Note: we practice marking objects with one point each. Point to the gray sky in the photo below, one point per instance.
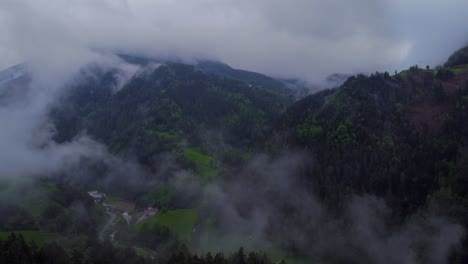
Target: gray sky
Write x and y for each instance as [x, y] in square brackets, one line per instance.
[297, 38]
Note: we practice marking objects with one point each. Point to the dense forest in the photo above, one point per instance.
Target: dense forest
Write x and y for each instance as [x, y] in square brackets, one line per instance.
[221, 151]
[15, 250]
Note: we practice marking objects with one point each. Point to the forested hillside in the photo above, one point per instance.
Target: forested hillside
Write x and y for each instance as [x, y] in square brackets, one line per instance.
[164, 105]
[401, 137]
[225, 158]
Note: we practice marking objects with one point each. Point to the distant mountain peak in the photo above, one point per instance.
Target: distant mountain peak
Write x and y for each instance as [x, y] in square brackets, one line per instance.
[459, 57]
[13, 72]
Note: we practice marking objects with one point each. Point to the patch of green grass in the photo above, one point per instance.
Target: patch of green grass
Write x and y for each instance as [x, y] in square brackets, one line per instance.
[166, 136]
[298, 261]
[204, 165]
[404, 73]
[31, 195]
[39, 237]
[196, 155]
[35, 200]
[460, 69]
[143, 252]
[277, 256]
[180, 222]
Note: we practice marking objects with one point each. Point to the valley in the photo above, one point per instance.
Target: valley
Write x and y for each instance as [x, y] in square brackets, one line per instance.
[198, 158]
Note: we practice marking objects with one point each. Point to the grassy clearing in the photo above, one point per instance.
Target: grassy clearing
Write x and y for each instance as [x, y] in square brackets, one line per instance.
[40, 238]
[180, 222]
[165, 136]
[204, 165]
[143, 252]
[277, 256]
[39, 198]
[297, 261]
[29, 194]
[460, 69]
[404, 73]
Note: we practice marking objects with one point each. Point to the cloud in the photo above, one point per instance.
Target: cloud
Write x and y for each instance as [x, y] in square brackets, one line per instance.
[267, 205]
[300, 38]
[304, 38]
[27, 147]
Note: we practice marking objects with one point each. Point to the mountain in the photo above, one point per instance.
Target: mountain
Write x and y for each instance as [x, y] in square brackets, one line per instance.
[397, 122]
[12, 73]
[270, 172]
[220, 69]
[251, 78]
[14, 82]
[460, 57]
[163, 105]
[162, 113]
[336, 79]
[401, 137]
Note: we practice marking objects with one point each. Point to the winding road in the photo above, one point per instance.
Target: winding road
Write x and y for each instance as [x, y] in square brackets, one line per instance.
[107, 225]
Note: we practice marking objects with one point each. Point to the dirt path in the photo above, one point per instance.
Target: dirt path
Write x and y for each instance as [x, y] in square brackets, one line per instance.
[107, 225]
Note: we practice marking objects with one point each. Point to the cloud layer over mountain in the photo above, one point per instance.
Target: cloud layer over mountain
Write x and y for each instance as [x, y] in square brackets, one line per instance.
[303, 38]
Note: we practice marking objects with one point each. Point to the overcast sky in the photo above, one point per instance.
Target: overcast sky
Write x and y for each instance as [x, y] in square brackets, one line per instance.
[298, 38]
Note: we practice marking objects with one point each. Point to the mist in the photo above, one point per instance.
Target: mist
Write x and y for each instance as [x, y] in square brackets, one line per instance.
[303, 39]
[247, 212]
[27, 135]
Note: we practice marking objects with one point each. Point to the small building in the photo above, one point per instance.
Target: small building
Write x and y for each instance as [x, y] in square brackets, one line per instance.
[97, 196]
[127, 217]
[150, 211]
